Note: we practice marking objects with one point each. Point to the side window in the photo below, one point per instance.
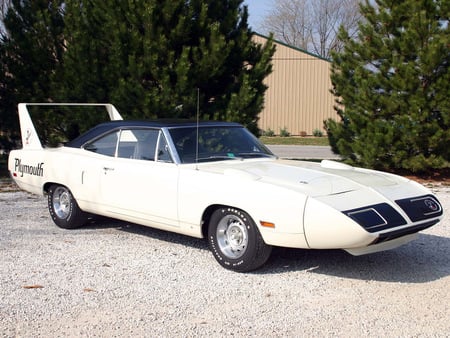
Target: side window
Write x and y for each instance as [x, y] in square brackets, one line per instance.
[105, 145]
[127, 144]
[139, 144]
[146, 141]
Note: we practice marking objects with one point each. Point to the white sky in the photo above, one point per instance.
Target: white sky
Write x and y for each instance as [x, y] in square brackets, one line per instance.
[257, 10]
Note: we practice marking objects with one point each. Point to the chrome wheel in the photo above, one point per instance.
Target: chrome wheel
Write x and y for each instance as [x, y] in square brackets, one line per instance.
[62, 202]
[64, 208]
[232, 236]
[235, 241]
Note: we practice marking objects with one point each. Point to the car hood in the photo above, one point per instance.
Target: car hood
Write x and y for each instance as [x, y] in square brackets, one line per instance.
[313, 179]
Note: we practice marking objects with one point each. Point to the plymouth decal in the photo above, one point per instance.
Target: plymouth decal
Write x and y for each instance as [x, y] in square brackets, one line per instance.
[36, 170]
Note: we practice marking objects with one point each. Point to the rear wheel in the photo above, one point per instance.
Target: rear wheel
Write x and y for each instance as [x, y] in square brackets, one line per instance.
[64, 209]
[235, 240]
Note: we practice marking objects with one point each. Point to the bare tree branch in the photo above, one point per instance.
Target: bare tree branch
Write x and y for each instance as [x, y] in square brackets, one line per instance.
[312, 25]
[289, 21]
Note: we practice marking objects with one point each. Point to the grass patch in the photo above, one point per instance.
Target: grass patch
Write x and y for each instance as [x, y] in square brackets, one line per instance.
[295, 140]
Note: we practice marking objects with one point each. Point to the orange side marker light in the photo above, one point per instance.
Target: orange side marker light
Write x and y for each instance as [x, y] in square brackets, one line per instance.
[267, 224]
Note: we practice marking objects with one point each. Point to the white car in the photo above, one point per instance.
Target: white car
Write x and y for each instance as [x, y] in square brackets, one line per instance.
[216, 180]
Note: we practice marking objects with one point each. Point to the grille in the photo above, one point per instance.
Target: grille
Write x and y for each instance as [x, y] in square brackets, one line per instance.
[388, 236]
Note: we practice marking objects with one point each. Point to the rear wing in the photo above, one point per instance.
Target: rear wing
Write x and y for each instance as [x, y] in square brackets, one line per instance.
[30, 138]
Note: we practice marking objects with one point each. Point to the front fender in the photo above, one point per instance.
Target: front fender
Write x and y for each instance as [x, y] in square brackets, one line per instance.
[328, 228]
[264, 202]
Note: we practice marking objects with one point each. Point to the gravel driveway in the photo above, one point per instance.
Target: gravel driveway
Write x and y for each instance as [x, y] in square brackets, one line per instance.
[114, 279]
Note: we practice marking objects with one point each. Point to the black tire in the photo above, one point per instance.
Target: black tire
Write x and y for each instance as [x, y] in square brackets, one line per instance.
[235, 240]
[64, 209]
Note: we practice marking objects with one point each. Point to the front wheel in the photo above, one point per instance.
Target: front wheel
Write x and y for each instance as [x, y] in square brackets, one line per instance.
[235, 240]
[64, 209]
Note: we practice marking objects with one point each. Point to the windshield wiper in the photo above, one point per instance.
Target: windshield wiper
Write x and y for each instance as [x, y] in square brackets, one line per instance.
[218, 157]
[254, 155]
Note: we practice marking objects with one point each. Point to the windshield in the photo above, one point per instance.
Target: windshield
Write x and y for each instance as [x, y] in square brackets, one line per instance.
[216, 144]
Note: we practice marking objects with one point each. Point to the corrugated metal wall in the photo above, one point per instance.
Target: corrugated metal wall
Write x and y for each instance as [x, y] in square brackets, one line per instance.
[298, 98]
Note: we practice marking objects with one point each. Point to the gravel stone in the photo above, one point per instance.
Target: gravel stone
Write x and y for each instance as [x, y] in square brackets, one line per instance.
[111, 279]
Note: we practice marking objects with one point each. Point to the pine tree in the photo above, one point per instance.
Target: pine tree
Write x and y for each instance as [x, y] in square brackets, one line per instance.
[30, 48]
[391, 86]
[150, 58]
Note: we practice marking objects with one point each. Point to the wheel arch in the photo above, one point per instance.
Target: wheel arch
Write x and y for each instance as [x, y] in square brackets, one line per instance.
[207, 213]
[206, 217]
[47, 186]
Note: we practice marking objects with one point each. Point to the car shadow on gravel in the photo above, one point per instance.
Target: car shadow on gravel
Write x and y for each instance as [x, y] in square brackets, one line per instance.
[171, 237]
[420, 261]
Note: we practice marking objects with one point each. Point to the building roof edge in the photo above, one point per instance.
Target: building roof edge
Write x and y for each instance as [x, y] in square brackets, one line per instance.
[292, 47]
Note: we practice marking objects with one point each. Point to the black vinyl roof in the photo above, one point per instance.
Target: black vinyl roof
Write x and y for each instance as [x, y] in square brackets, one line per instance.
[105, 127]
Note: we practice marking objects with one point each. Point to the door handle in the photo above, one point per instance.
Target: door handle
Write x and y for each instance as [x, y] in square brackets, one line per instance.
[108, 169]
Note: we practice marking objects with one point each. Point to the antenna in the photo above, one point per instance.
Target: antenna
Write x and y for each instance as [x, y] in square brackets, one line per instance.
[198, 122]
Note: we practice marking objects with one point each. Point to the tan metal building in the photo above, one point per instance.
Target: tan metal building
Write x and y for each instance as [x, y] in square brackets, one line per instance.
[298, 98]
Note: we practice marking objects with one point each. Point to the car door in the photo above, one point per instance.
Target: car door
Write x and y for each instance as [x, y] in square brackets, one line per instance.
[140, 181]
